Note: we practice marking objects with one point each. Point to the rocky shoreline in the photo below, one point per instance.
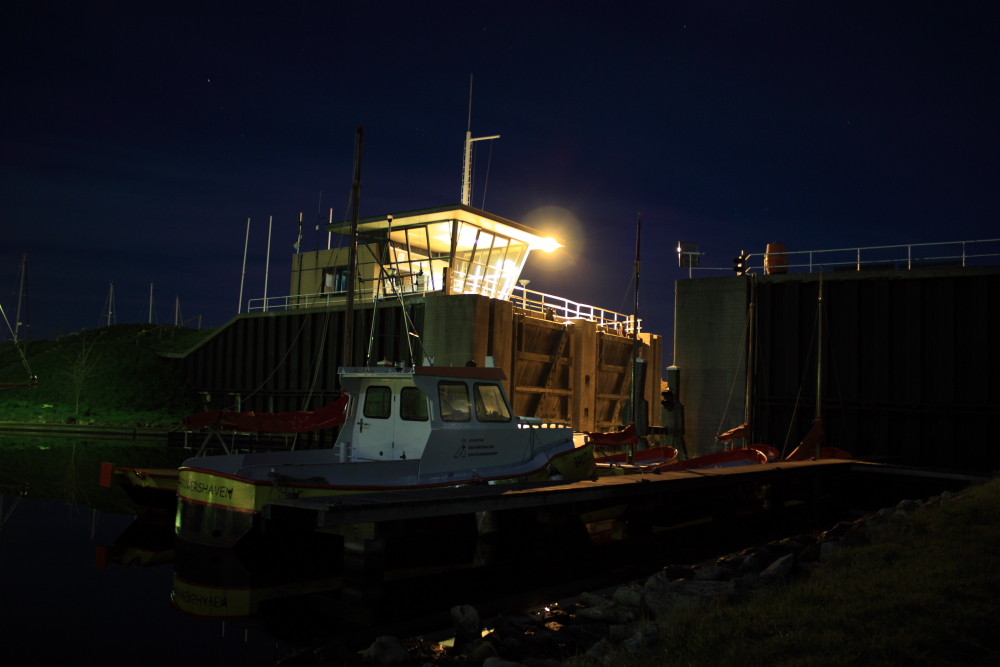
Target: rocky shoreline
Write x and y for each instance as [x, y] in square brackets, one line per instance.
[594, 628]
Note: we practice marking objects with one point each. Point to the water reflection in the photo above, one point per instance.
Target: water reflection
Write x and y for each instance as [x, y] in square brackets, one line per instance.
[102, 577]
[83, 575]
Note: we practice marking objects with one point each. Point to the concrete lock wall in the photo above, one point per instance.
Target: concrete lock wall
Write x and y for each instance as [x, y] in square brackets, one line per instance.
[911, 368]
[567, 370]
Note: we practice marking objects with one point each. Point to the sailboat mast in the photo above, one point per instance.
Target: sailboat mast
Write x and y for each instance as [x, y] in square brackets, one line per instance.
[243, 275]
[20, 295]
[359, 150]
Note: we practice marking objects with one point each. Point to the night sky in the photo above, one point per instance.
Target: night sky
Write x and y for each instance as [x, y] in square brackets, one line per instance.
[136, 142]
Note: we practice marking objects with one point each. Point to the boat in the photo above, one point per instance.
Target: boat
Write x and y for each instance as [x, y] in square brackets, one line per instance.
[153, 489]
[403, 428]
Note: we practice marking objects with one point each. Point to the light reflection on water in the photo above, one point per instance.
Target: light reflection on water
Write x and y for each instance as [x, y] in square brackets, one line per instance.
[57, 604]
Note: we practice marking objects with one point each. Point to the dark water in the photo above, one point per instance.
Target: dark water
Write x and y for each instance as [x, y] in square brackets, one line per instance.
[87, 575]
[57, 604]
[79, 584]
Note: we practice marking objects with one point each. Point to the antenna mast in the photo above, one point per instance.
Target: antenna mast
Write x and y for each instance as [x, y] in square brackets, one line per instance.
[467, 162]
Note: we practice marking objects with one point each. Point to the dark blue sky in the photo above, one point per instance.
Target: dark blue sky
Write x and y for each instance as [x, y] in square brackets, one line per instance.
[136, 141]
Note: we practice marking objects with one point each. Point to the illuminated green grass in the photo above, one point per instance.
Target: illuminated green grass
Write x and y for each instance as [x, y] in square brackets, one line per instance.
[109, 376]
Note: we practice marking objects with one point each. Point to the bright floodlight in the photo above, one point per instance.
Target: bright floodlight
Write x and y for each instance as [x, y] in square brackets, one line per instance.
[548, 245]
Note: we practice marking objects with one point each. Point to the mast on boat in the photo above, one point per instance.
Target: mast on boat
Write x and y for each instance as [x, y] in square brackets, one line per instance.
[359, 150]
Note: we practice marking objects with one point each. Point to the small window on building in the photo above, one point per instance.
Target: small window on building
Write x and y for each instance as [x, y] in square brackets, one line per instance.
[490, 406]
[454, 401]
[378, 402]
[412, 404]
[335, 279]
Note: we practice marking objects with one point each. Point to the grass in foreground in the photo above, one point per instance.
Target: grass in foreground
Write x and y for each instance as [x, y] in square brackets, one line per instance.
[927, 594]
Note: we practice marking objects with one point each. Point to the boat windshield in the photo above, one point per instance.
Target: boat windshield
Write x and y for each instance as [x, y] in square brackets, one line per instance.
[454, 402]
[490, 406]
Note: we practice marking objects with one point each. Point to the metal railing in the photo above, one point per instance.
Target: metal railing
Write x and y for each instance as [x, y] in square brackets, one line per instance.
[327, 299]
[558, 308]
[546, 306]
[903, 257]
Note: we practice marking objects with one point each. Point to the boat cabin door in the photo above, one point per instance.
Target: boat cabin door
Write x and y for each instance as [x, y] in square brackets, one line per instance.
[391, 422]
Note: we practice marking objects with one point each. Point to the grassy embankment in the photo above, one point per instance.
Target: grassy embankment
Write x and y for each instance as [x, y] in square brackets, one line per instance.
[108, 376]
[926, 592]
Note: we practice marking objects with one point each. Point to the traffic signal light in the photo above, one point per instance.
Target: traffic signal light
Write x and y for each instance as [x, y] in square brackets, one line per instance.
[740, 263]
[667, 399]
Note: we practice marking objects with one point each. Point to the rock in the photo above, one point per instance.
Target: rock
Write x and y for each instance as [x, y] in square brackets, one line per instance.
[581, 636]
[660, 604]
[593, 600]
[908, 505]
[754, 562]
[468, 628]
[607, 613]
[711, 573]
[678, 571]
[661, 581]
[628, 596]
[481, 652]
[495, 661]
[779, 568]
[385, 651]
[703, 589]
[786, 546]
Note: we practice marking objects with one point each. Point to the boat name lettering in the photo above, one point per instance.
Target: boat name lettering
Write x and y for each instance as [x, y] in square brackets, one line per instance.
[219, 490]
[192, 599]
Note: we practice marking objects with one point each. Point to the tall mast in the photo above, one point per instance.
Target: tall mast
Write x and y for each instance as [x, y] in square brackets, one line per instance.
[359, 150]
[636, 389]
[819, 363]
[751, 356]
[467, 161]
[243, 275]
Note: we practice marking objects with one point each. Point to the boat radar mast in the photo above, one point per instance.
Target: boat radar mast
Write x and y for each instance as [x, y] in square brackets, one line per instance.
[467, 162]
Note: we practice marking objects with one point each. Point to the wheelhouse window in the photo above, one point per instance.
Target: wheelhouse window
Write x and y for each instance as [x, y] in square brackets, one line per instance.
[378, 402]
[412, 404]
[454, 401]
[490, 406]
